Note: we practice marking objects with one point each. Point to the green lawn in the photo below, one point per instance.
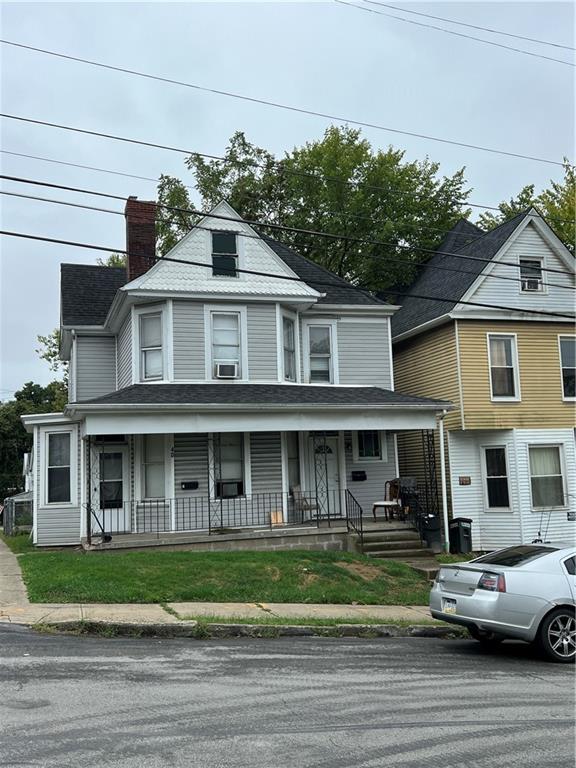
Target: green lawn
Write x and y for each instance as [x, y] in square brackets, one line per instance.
[448, 559]
[157, 577]
[20, 543]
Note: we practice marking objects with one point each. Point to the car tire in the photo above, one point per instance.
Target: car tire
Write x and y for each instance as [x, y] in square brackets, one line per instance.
[486, 638]
[557, 636]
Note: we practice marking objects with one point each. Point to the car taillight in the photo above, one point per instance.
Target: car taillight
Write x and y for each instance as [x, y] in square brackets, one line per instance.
[493, 582]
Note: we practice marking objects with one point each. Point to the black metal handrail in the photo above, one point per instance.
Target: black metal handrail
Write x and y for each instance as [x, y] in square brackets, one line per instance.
[354, 517]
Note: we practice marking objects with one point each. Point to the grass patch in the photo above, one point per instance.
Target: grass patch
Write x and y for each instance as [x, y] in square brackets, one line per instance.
[274, 577]
[19, 544]
[448, 559]
[306, 621]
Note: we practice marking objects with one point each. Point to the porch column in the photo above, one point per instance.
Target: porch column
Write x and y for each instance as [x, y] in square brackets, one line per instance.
[443, 483]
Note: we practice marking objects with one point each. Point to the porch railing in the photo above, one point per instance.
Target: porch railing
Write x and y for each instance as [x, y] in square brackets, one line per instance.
[354, 517]
[217, 516]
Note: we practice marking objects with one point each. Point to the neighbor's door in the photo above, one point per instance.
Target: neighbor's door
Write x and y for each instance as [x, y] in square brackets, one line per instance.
[113, 509]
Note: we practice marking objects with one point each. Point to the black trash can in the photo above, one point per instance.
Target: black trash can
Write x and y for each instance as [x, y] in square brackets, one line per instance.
[432, 532]
[460, 535]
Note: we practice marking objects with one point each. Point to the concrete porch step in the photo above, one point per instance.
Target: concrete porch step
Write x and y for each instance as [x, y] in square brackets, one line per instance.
[384, 546]
[401, 554]
[393, 536]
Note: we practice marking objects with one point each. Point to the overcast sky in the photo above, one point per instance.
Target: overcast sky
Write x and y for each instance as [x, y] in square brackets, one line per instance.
[321, 56]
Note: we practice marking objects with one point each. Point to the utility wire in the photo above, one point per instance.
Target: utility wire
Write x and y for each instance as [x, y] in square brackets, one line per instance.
[278, 105]
[278, 227]
[316, 177]
[457, 34]
[257, 273]
[472, 26]
[373, 257]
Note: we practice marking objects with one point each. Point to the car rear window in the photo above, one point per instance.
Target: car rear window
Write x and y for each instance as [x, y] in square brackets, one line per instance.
[515, 556]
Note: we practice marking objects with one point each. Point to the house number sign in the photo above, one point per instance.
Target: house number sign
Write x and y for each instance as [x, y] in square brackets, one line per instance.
[464, 480]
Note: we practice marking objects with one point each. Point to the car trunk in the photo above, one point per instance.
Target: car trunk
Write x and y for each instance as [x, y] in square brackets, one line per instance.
[460, 580]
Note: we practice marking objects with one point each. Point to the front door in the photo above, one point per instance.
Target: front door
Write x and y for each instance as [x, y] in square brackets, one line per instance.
[324, 475]
[113, 509]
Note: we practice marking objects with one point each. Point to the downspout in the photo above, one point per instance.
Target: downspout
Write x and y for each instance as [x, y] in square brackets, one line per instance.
[89, 499]
[443, 482]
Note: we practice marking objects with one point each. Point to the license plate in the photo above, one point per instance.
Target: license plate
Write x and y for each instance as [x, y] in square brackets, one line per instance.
[449, 606]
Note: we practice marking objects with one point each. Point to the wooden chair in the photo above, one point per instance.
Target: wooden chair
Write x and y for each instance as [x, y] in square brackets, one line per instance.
[392, 504]
[302, 504]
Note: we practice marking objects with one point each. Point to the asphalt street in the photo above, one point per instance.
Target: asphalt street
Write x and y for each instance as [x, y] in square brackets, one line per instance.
[67, 702]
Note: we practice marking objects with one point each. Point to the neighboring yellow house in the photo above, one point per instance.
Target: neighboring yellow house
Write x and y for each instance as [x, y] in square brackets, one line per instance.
[507, 360]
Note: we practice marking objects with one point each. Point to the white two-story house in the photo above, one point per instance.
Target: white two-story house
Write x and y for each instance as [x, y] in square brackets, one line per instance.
[231, 384]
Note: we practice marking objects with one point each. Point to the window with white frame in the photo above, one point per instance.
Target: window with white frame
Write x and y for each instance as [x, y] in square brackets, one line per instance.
[58, 486]
[289, 336]
[503, 366]
[224, 254]
[153, 468]
[531, 275]
[228, 449]
[546, 476]
[151, 353]
[320, 353]
[226, 345]
[568, 366]
[497, 493]
[367, 445]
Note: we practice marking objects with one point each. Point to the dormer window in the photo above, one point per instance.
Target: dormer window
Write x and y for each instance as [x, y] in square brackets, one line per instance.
[531, 276]
[224, 254]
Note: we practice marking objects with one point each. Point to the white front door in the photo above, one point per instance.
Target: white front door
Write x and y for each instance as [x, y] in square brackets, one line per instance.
[324, 475]
[112, 507]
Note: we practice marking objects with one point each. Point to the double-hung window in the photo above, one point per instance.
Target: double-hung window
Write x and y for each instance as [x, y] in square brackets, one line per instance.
[226, 357]
[228, 449]
[368, 446]
[153, 470]
[497, 493]
[224, 254]
[151, 355]
[503, 367]
[320, 353]
[546, 477]
[568, 365]
[531, 276]
[289, 336]
[58, 468]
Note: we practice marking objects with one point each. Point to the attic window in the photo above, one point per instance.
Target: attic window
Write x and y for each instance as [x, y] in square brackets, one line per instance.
[224, 254]
[531, 275]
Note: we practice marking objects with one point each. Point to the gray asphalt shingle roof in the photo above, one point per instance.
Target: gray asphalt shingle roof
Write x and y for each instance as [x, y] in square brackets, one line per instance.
[258, 394]
[87, 291]
[439, 283]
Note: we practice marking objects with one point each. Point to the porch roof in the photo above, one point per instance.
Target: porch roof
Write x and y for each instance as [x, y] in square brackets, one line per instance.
[241, 396]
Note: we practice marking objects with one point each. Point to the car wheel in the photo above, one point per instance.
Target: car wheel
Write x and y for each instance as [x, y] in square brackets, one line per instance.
[557, 635]
[487, 638]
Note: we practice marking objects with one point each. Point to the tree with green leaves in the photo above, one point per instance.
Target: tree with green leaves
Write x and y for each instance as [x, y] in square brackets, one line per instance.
[557, 203]
[14, 440]
[114, 260]
[49, 351]
[338, 184]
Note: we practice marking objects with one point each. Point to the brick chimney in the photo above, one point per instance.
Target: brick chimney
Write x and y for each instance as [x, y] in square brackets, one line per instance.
[140, 236]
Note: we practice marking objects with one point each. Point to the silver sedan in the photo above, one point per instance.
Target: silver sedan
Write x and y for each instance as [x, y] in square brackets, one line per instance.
[526, 592]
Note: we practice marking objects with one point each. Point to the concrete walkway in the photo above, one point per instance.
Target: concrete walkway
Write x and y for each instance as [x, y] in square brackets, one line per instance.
[16, 608]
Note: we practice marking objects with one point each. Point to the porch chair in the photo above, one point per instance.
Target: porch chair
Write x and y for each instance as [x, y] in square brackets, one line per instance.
[303, 505]
[392, 504]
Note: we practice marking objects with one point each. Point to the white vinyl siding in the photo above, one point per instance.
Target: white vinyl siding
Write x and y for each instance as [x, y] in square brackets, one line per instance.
[124, 354]
[95, 366]
[261, 332]
[188, 333]
[366, 492]
[364, 353]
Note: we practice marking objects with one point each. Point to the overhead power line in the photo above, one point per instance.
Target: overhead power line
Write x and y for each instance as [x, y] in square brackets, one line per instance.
[457, 34]
[374, 257]
[272, 275]
[472, 26]
[276, 227]
[278, 105]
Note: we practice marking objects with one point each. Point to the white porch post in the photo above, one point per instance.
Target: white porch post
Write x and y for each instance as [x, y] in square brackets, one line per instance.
[443, 482]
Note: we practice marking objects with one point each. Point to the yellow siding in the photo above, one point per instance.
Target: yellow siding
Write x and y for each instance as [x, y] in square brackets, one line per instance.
[427, 366]
[540, 376]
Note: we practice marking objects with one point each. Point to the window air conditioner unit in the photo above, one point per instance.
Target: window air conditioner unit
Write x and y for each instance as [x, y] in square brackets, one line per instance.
[226, 370]
[531, 284]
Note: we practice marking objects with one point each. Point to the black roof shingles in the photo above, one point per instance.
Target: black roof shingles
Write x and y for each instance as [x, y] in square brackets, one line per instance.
[465, 239]
[257, 395]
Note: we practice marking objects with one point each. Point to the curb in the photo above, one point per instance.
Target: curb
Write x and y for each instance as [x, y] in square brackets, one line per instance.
[200, 631]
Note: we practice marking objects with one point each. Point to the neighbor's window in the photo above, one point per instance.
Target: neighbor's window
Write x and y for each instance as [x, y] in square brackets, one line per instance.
[224, 254]
[546, 478]
[320, 353]
[503, 373]
[153, 467]
[369, 445]
[228, 450]
[225, 340]
[568, 365]
[288, 329]
[59, 468]
[496, 478]
[151, 358]
[531, 275]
